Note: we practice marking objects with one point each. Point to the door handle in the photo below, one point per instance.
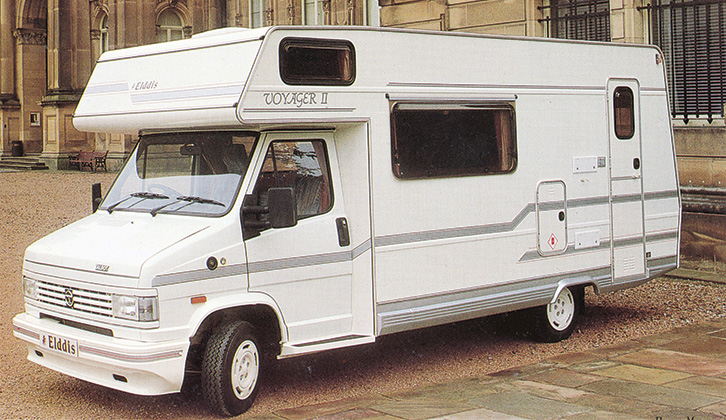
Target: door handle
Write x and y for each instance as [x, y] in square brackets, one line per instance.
[343, 233]
[636, 163]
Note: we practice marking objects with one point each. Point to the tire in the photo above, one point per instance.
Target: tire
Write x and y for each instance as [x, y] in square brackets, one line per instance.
[231, 368]
[556, 321]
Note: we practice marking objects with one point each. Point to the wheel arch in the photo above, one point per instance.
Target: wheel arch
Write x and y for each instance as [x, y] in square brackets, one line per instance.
[577, 282]
[263, 315]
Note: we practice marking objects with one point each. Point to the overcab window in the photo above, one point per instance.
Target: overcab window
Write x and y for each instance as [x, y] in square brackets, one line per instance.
[452, 140]
[305, 61]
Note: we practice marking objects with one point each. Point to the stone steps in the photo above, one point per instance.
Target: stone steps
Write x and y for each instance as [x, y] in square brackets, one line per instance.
[25, 163]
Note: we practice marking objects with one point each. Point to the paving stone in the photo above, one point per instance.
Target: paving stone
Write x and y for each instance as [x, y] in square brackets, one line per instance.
[422, 408]
[701, 345]
[671, 413]
[659, 339]
[267, 416]
[568, 359]
[357, 414]
[641, 374]
[460, 390]
[651, 393]
[620, 405]
[329, 408]
[479, 414]
[702, 384]
[682, 362]
[522, 371]
[528, 406]
[552, 392]
[605, 415]
[720, 333]
[588, 367]
[618, 349]
[564, 377]
[718, 410]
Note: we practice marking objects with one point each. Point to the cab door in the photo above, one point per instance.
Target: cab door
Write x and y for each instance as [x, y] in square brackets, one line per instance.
[306, 268]
[626, 181]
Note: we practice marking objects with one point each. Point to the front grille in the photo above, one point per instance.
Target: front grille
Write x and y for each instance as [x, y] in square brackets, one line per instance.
[77, 299]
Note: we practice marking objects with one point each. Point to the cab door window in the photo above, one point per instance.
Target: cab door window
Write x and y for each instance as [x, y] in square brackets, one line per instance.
[302, 166]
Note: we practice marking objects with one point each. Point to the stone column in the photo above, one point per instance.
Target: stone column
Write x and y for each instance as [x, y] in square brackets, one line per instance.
[9, 104]
[627, 23]
[68, 62]
[31, 75]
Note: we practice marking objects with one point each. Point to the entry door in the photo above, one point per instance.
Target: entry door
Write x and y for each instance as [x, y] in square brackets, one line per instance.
[626, 182]
[306, 268]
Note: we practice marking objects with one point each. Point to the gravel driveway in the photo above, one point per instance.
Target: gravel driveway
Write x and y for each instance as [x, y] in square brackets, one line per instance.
[34, 204]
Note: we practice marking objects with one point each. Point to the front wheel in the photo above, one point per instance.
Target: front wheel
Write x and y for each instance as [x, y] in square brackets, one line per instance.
[557, 320]
[231, 368]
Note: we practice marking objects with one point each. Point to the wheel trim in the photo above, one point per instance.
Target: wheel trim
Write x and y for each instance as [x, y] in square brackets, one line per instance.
[245, 369]
[561, 312]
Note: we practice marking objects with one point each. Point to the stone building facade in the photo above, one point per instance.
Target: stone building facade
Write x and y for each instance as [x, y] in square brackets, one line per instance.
[48, 49]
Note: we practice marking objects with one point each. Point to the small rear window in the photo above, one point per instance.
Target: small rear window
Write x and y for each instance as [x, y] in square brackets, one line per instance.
[624, 110]
[306, 61]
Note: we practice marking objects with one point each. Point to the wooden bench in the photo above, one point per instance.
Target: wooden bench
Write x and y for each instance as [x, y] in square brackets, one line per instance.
[73, 159]
[93, 160]
[99, 160]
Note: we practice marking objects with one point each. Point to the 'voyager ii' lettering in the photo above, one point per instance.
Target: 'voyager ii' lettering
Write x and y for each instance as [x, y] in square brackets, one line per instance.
[295, 99]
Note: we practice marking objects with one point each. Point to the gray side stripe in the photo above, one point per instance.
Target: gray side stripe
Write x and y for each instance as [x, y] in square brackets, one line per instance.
[657, 195]
[194, 93]
[445, 307]
[663, 236]
[626, 198]
[197, 275]
[107, 88]
[261, 266]
[404, 238]
[460, 232]
[296, 262]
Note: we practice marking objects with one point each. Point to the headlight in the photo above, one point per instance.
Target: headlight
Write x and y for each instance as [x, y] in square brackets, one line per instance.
[136, 308]
[30, 288]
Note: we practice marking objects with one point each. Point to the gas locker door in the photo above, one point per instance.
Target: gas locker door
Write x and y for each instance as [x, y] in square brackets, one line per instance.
[626, 181]
[306, 268]
[551, 209]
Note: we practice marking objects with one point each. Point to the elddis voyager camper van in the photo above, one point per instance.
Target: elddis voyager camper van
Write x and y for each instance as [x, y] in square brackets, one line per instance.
[299, 189]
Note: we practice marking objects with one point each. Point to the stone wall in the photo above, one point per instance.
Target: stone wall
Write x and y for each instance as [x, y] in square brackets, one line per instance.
[701, 159]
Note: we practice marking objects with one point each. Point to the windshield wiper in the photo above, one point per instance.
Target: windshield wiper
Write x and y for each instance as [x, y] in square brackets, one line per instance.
[191, 200]
[200, 200]
[143, 195]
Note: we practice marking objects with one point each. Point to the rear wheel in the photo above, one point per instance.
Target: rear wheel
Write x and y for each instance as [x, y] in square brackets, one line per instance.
[557, 320]
[231, 368]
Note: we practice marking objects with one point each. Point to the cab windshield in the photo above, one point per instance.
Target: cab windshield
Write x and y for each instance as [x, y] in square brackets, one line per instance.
[182, 173]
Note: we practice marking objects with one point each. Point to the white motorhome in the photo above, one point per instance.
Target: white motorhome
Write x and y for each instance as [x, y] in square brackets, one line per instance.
[299, 189]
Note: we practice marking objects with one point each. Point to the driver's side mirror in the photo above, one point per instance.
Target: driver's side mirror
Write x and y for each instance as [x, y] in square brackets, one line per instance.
[96, 196]
[283, 210]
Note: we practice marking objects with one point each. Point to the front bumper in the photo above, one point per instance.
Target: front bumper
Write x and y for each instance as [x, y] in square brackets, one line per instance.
[142, 368]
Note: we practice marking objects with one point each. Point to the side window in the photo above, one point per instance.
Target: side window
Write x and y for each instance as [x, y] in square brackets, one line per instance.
[444, 141]
[302, 165]
[624, 112]
[305, 61]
